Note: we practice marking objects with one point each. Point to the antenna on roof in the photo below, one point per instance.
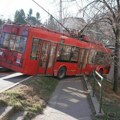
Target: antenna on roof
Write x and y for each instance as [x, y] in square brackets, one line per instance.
[52, 16]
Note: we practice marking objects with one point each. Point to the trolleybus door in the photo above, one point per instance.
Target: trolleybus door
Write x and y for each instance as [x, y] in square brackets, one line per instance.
[83, 59]
[47, 58]
[44, 55]
[51, 59]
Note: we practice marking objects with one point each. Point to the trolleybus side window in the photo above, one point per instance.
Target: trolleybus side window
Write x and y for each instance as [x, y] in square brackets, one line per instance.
[2, 39]
[91, 56]
[64, 53]
[85, 59]
[35, 48]
[74, 54]
[20, 44]
[12, 41]
[6, 40]
[96, 57]
[67, 53]
[82, 54]
[99, 58]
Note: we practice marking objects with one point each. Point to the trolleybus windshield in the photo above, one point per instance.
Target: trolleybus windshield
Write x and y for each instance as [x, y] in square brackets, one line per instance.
[13, 42]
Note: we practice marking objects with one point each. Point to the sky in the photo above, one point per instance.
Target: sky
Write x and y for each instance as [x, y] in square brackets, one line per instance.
[8, 8]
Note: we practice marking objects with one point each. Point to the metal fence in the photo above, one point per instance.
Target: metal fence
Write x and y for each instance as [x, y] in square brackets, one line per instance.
[99, 80]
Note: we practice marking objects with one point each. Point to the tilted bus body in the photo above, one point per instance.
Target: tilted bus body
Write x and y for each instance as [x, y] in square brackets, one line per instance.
[36, 50]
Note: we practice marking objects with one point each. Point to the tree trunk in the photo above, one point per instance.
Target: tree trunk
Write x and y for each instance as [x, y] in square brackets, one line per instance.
[116, 62]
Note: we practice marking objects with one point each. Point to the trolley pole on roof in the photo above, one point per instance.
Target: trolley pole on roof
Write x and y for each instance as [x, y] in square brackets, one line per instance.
[60, 16]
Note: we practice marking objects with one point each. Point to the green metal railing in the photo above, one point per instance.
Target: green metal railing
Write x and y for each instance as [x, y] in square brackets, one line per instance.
[99, 80]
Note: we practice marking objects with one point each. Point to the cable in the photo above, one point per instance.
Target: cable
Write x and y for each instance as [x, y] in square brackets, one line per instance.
[52, 16]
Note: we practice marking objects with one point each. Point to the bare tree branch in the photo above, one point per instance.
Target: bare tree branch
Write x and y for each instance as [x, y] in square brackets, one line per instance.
[90, 21]
[107, 5]
[118, 4]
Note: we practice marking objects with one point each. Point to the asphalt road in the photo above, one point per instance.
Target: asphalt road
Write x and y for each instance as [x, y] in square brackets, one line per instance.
[8, 79]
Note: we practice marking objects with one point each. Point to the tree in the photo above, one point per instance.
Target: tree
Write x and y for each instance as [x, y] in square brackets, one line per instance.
[30, 13]
[107, 11]
[22, 13]
[9, 21]
[52, 24]
[19, 17]
[33, 20]
[0, 22]
[37, 15]
[38, 18]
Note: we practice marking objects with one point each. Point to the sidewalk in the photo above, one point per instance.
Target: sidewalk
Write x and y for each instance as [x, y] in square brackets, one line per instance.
[69, 102]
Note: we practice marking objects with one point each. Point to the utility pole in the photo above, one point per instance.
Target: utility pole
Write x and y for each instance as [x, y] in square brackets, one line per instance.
[60, 16]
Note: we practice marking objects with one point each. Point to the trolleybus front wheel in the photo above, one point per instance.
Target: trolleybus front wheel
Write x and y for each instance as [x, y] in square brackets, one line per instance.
[61, 73]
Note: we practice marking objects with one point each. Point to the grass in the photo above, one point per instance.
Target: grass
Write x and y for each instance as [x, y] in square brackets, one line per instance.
[31, 96]
[111, 102]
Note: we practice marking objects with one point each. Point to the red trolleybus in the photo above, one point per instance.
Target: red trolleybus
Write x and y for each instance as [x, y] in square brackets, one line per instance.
[37, 50]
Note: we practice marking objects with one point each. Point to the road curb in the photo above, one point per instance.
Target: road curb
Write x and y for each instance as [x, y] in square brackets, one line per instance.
[6, 112]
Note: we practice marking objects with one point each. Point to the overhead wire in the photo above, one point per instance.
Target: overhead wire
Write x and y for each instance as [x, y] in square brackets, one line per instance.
[51, 15]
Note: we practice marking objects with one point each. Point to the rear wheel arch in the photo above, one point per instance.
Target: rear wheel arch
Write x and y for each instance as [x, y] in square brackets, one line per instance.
[61, 72]
[100, 71]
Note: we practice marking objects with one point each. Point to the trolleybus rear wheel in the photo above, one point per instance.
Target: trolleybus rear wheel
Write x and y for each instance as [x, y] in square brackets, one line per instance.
[61, 73]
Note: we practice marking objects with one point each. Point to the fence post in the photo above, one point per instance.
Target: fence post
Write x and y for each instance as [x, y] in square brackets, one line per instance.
[93, 92]
[100, 83]
[101, 92]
